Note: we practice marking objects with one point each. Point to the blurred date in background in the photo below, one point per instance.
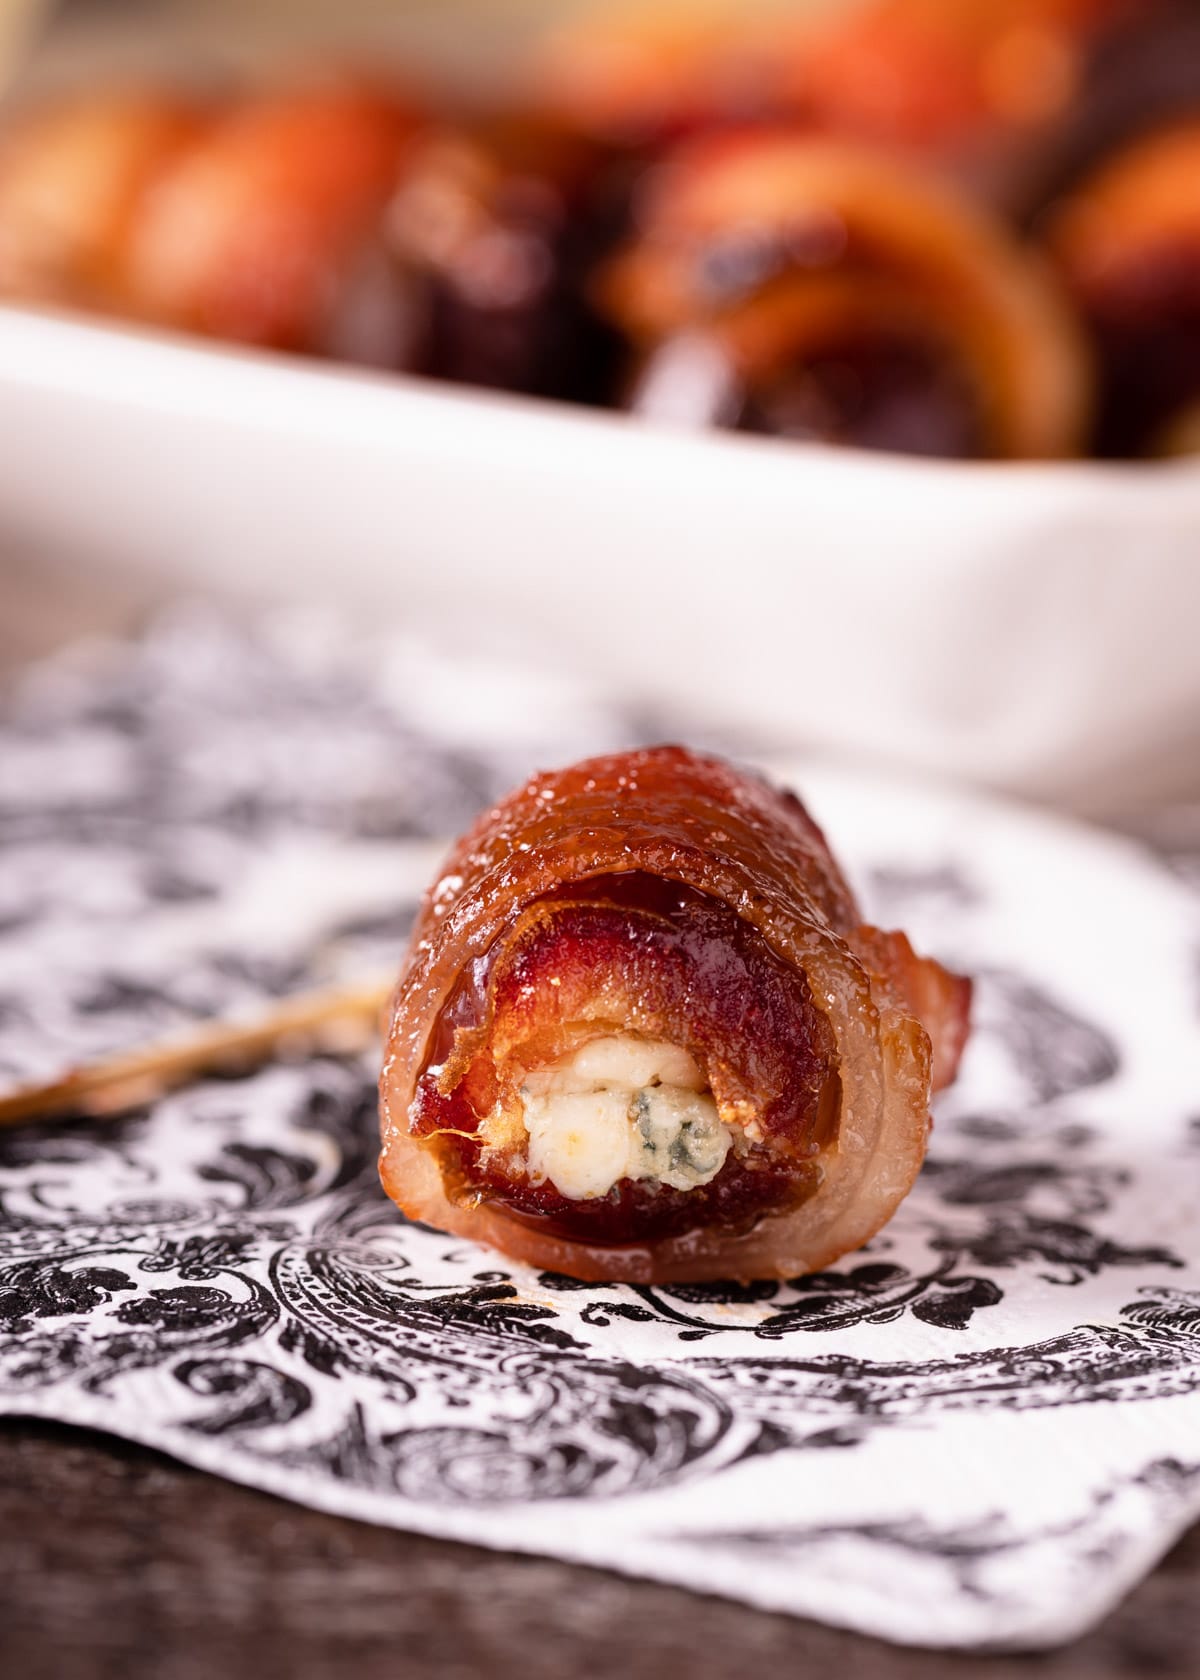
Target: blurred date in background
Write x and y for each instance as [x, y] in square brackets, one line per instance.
[909, 225]
[898, 247]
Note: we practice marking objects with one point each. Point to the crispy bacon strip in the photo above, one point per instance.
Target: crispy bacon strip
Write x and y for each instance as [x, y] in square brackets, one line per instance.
[697, 911]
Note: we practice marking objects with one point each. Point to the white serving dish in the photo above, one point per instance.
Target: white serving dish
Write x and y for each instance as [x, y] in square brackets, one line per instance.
[1033, 626]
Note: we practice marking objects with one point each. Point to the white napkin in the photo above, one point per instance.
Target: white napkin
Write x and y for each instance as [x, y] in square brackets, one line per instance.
[981, 1430]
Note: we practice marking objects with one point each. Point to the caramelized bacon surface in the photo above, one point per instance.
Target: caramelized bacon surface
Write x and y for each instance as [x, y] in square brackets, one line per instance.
[683, 903]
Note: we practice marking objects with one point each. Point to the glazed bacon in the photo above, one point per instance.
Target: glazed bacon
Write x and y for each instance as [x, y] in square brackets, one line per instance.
[681, 921]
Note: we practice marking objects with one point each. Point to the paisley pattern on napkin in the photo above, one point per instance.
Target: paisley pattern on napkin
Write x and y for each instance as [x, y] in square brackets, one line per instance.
[980, 1429]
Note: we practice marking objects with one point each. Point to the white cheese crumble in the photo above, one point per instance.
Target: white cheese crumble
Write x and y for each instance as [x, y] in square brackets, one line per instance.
[622, 1107]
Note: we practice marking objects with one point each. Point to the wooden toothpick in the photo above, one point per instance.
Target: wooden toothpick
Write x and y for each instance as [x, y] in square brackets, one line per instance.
[340, 1018]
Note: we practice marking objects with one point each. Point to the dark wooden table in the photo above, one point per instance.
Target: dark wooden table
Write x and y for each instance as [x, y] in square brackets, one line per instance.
[117, 1564]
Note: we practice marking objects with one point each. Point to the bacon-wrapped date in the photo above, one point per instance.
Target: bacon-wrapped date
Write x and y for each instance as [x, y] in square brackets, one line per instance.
[254, 220]
[636, 74]
[814, 289]
[643, 1033]
[963, 85]
[266, 231]
[1140, 73]
[327, 219]
[1128, 244]
[73, 177]
[1119, 209]
[491, 233]
[970, 88]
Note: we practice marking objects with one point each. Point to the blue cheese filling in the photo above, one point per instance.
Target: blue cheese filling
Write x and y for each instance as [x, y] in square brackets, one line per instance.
[621, 1107]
